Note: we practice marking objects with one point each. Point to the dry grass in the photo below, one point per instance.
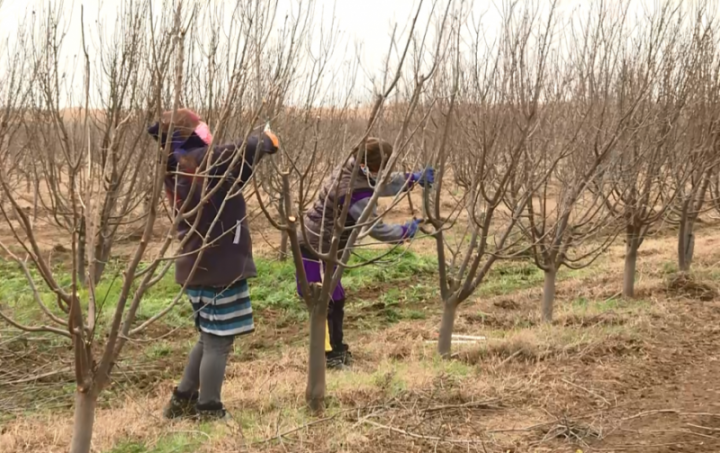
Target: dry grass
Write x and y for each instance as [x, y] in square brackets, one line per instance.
[577, 383]
[685, 285]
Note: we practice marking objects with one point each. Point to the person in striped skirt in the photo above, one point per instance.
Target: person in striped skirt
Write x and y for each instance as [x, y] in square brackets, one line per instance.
[216, 258]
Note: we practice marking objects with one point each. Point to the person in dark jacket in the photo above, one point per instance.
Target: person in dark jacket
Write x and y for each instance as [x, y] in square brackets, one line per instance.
[216, 258]
[320, 219]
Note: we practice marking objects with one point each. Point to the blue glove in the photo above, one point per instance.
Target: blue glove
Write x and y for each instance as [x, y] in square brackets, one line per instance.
[411, 228]
[425, 178]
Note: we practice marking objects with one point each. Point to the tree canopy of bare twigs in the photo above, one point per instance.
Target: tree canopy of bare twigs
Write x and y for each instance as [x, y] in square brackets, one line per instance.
[550, 133]
[490, 111]
[94, 172]
[582, 162]
[694, 160]
[327, 138]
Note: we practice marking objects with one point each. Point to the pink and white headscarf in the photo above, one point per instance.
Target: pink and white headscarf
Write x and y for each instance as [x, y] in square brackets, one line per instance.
[203, 131]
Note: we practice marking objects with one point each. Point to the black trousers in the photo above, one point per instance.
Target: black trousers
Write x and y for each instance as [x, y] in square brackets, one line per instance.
[335, 317]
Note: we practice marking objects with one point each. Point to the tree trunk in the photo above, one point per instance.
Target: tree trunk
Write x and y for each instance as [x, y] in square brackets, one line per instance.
[690, 251]
[283, 246]
[446, 329]
[102, 256]
[315, 391]
[85, 403]
[549, 295]
[99, 269]
[410, 203]
[36, 198]
[686, 244]
[284, 238]
[631, 254]
[81, 252]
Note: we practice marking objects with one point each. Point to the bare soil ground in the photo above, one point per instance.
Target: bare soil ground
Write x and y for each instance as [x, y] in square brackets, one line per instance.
[609, 375]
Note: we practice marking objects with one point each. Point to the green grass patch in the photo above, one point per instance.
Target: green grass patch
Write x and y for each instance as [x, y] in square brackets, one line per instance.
[175, 443]
[585, 306]
[390, 380]
[394, 267]
[413, 314]
[669, 268]
[506, 277]
[453, 368]
[159, 350]
[274, 288]
[129, 447]
[388, 377]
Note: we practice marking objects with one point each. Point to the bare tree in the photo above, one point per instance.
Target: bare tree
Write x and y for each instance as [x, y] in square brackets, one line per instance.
[492, 111]
[564, 223]
[73, 176]
[92, 149]
[641, 190]
[15, 95]
[695, 159]
[608, 79]
[96, 145]
[334, 260]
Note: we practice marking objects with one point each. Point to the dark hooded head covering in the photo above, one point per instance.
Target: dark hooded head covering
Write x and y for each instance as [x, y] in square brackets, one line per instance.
[376, 155]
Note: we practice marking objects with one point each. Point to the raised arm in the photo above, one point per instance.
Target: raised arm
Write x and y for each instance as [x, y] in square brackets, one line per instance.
[399, 182]
[402, 182]
[257, 147]
[188, 153]
[384, 232]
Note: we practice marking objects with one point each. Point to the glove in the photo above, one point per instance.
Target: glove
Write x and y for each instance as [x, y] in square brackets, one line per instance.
[411, 228]
[425, 178]
[271, 143]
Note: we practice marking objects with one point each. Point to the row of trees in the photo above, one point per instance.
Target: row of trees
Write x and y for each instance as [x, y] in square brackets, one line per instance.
[551, 135]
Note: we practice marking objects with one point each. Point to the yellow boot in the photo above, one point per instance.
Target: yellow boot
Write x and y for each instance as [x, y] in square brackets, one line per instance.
[328, 348]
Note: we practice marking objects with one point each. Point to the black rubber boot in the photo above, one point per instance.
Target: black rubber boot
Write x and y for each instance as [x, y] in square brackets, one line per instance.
[334, 360]
[339, 358]
[347, 355]
[181, 405]
[211, 411]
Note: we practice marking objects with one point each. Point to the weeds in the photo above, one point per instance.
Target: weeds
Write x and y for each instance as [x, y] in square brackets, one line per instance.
[397, 382]
[685, 285]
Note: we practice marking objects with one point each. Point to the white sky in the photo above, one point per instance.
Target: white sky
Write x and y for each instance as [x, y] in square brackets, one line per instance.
[367, 22]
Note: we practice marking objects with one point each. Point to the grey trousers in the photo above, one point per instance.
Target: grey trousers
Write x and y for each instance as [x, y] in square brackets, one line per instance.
[205, 370]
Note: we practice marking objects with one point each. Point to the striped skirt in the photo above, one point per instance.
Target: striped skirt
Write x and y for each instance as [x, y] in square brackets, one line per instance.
[222, 311]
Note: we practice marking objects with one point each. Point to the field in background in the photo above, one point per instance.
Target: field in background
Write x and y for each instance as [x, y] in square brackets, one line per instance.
[608, 375]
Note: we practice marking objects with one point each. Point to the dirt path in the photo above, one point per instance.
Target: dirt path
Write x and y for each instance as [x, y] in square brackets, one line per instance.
[679, 409]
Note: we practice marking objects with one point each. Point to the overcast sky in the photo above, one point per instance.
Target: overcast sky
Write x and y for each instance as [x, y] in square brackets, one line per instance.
[365, 22]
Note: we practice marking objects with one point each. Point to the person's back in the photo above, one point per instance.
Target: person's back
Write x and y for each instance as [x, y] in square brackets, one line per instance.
[222, 231]
[319, 220]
